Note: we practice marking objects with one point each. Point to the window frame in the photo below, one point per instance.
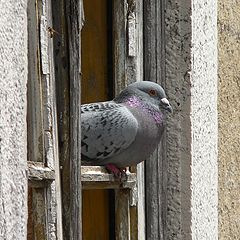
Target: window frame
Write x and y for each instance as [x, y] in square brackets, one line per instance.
[128, 62]
[155, 70]
[43, 162]
[68, 21]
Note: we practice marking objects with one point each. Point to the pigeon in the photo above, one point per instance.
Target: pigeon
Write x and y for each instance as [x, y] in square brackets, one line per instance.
[125, 131]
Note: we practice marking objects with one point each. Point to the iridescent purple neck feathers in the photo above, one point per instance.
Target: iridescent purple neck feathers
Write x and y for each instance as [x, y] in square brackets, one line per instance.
[135, 102]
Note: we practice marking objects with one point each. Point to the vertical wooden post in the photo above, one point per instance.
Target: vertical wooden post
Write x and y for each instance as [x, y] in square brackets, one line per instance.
[61, 54]
[74, 20]
[122, 214]
[154, 70]
[43, 142]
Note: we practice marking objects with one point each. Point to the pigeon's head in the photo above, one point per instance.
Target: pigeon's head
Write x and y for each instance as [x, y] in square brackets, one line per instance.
[149, 92]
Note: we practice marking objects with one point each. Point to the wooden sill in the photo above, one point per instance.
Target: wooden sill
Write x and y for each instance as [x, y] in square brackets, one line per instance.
[97, 177]
[93, 177]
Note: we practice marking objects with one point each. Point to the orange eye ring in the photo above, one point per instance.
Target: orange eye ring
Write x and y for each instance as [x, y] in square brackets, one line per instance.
[152, 92]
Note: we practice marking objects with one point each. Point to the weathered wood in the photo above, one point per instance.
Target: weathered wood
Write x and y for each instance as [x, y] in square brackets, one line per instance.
[74, 16]
[133, 223]
[38, 172]
[141, 229]
[122, 217]
[39, 214]
[132, 38]
[140, 218]
[119, 44]
[45, 176]
[61, 60]
[68, 19]
[36, 129]
[96, 177]
[154, 70]
[34, 103]
[55, 191]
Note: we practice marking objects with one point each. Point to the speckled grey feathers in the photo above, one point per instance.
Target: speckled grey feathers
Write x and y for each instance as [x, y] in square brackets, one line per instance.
[107, 129]
[126, 130]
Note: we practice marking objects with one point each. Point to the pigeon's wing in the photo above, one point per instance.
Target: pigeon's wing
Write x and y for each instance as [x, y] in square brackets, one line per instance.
[107, 129]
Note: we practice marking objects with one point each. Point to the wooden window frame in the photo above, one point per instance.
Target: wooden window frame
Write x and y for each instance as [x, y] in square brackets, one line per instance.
[128, 61]
[43, 161]
[75, 18]
[156, 167]
[68, 21]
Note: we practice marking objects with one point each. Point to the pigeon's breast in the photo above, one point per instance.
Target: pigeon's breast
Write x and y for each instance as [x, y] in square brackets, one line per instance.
[150, 128]
[145, 110]
[148, 136]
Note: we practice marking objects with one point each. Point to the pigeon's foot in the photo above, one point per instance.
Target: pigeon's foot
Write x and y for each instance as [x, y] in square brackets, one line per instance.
[119, 173]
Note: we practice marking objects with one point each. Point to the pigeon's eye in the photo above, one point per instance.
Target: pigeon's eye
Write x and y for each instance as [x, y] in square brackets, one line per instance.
[152, 92]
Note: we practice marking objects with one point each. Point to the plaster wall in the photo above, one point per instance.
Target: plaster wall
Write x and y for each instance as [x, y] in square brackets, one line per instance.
[13, 149]
[204, 134]
[191, 83]
[229, 118]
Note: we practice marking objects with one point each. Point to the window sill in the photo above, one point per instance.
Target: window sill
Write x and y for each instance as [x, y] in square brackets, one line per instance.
[97, 177]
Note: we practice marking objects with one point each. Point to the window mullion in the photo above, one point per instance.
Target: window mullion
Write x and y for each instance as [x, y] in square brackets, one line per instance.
[74, 14]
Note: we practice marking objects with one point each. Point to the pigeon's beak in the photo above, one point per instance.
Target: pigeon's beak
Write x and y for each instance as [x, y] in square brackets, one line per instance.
[166, 105]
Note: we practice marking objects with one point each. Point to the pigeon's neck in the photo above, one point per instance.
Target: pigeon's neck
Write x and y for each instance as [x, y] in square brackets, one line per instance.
[136, 102]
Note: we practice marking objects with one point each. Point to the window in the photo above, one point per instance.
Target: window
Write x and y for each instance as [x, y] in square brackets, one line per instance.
[111, 59]
[111, 44]
[44, 201]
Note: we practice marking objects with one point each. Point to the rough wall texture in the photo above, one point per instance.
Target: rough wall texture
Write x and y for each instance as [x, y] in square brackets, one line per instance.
[191, 79]
[229, 118]
[178, 65]
[204, 120]
[13, 149]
